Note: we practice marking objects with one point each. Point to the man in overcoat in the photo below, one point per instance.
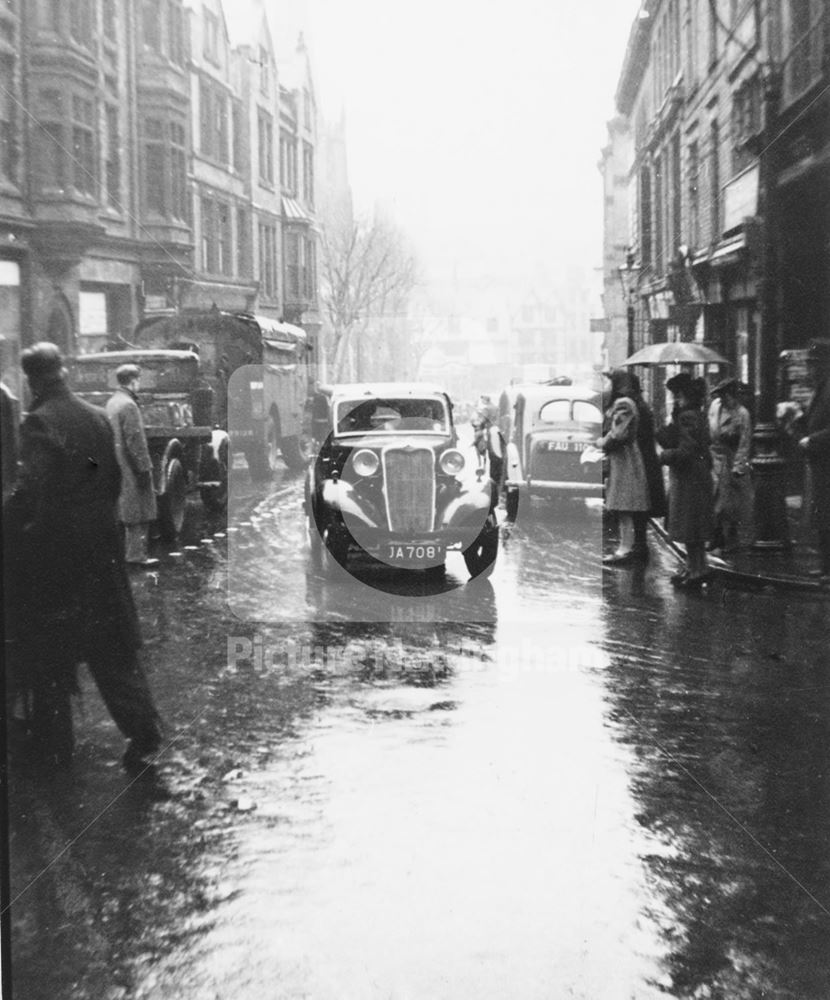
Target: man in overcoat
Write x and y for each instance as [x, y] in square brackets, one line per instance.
[816, 445]
[68, 598]
[137, 502]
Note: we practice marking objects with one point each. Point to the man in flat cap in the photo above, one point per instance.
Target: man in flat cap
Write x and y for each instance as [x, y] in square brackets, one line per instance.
[816, 445]
[137, 503]
[68, 597]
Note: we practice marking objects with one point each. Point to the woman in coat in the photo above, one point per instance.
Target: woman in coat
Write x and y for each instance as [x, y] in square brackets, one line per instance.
[730, 430]
[627, 491]
[685, 443]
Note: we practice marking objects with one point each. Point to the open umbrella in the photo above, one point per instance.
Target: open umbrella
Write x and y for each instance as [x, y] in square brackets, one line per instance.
[676, 353]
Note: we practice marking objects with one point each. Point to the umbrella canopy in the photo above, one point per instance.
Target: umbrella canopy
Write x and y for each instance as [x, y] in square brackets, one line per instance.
[676, 353]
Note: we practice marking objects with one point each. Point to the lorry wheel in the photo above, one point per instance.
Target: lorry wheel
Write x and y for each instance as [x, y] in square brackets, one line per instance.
[172, 502]
[215, 498]
[296, 451]
[480, 557]
[259, 467]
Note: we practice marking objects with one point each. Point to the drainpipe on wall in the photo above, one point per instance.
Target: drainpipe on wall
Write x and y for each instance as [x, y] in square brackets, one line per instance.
[768, 464]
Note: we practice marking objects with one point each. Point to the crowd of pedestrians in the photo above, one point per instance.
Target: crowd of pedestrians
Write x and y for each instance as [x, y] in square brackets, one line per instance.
[706, 449]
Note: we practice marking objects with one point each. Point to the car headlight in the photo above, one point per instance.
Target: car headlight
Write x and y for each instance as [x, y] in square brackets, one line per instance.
[451, 462]
[365, 462]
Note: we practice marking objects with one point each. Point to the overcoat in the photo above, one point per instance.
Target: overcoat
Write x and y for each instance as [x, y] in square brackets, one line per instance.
[627, 488]
[137, 503]
[818, 454]
[654, 471]
[686, 452]
[730, 431]
[64, 562]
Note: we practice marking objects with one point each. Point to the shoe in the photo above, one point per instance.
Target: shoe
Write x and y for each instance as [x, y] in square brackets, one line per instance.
[619, 559]
[137, 760]
[693, 583]
[144, 563]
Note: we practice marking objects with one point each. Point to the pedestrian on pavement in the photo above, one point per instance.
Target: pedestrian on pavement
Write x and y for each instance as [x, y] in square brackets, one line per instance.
[730, 431]
[654, 471]
[627, 493]
[816, 446]
[9, 442]
[488, 439]
[685, 444]
[68, 597]
[137, 502]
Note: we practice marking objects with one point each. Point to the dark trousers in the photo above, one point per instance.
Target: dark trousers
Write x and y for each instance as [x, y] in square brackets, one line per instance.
[120, 680]
[640, 518]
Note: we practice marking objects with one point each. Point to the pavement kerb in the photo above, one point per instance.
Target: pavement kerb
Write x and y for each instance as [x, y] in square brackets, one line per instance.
[755, 581]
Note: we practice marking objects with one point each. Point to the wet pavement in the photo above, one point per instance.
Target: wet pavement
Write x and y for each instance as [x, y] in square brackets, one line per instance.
[582, 785]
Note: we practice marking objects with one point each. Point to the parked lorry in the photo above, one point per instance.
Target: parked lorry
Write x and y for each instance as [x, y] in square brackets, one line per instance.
[261, 371]
[177, 402]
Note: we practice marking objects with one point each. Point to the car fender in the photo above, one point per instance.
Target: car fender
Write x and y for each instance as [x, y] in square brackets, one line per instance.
[470, 508]
[173, 449]
[340, 496]
[218, 438]
[513, 470]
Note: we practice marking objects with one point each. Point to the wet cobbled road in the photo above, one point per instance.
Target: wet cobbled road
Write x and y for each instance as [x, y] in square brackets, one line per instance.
[554, 783]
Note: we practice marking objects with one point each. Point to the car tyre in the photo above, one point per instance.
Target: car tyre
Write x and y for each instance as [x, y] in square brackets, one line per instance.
[480, 557]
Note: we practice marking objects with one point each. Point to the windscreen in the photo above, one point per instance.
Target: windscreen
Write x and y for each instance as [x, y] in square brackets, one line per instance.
[392, 416]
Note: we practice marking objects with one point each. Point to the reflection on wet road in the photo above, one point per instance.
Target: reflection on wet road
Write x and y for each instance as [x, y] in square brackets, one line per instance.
[552, 783]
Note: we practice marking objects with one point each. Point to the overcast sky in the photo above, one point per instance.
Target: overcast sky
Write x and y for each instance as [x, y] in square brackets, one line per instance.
[479, 121]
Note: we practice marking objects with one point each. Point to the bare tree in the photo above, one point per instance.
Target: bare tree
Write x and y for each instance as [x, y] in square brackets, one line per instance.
[367, 269]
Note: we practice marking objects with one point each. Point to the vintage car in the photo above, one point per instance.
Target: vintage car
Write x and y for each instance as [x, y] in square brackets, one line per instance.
[388, 480]
[550, 430]
[177, 404]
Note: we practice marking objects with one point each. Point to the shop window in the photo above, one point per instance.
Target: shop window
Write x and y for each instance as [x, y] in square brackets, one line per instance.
[50, 146]
[108, 17]
[81, 22]
[308, 174]
[83, 145]
[265, 138]
[224, 245]
[8, 120]
[178, 172]
[268, 259]
[209, 240]
[113, 158]
[154, 166]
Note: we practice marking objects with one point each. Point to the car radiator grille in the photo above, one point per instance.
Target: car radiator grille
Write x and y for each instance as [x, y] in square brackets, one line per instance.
[410, 488]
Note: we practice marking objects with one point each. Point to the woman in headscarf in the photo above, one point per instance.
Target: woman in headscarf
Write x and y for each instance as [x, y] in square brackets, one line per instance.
[685, 443]
[627, 493]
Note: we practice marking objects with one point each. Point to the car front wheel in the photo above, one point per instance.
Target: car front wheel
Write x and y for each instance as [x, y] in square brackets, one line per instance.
[480, 557]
